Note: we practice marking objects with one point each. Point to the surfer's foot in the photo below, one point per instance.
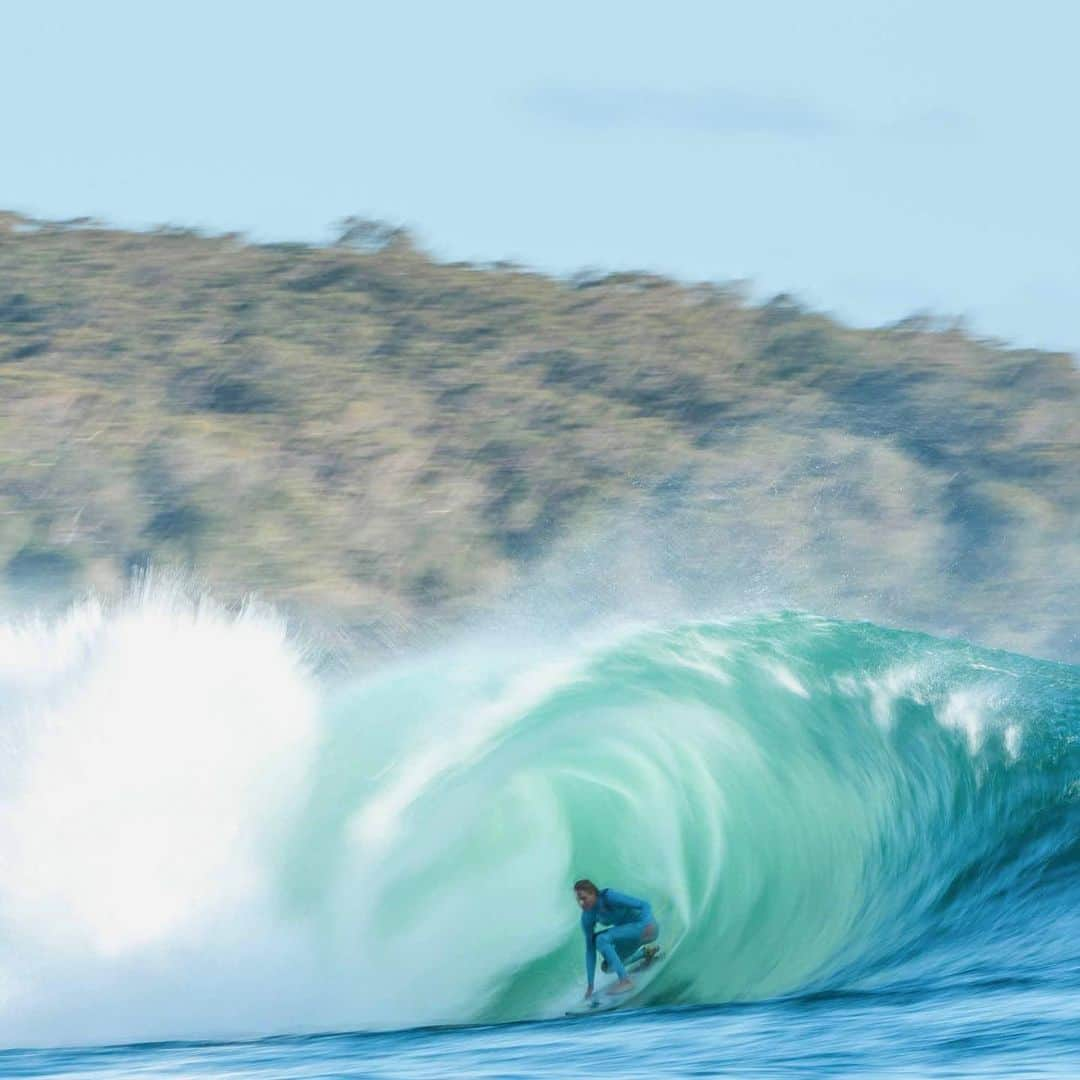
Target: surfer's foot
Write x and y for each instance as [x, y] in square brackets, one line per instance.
[648, 953]
[621, 986]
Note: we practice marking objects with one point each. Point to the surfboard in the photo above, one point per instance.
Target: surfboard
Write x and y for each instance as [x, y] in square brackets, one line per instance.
[640, 968]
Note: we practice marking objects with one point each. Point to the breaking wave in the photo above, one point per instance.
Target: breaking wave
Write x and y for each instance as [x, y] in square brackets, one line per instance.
[200, 837]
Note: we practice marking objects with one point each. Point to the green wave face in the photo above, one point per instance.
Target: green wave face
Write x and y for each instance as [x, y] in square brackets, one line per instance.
[201, 839]
[806, 803]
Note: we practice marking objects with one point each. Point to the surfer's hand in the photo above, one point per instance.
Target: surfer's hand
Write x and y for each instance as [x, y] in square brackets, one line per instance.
[588, 992]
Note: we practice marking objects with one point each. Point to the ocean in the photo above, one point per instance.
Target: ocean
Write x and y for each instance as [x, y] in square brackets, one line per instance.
[222, 856]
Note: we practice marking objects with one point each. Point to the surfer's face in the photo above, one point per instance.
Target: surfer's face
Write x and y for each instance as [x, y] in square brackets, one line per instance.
[585, 899]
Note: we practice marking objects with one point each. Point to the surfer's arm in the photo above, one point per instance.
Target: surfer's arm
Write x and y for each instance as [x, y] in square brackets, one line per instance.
[588, 926]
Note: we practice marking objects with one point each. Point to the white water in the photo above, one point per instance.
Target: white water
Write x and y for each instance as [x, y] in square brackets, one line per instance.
[151, 757]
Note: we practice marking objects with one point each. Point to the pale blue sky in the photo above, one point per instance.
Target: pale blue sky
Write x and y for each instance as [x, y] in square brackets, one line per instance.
[872, 157]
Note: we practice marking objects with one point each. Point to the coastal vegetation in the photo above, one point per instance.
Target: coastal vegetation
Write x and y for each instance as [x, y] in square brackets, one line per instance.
[360, 432]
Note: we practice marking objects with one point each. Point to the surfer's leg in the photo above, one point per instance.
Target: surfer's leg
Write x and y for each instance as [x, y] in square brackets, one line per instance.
[623, 943]
[607, 948]
[637, 941]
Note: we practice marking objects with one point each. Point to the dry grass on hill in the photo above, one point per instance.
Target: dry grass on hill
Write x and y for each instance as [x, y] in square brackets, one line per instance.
[392, 441]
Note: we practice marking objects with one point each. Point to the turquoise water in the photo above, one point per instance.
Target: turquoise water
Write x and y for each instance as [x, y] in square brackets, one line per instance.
[862, 844]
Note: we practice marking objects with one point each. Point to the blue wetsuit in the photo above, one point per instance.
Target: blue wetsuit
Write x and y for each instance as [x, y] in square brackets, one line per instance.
[630, 925]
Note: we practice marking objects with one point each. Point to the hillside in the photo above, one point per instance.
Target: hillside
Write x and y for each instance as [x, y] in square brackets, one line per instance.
[376, 439]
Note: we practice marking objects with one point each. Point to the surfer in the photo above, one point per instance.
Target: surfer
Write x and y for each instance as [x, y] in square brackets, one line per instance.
[630, 927]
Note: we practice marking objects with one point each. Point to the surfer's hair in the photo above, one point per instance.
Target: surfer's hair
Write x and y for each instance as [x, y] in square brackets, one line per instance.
[585, 885]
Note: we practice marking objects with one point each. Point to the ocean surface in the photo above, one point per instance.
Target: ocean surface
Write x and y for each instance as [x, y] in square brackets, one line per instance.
[222, 856]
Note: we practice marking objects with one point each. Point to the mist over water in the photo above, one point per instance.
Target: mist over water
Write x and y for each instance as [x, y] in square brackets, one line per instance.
[203, 838]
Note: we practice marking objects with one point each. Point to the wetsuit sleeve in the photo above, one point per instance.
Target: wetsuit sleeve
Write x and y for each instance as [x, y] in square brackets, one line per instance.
[632, 902]
[588, 925]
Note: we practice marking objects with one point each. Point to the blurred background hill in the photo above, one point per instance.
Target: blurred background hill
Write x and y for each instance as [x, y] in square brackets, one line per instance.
[389, 443]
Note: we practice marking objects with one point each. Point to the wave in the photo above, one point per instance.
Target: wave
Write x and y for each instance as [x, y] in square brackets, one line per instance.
[201, 837]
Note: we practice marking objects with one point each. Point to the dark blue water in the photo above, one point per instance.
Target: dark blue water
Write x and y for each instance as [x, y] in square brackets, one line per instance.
[989, 1031]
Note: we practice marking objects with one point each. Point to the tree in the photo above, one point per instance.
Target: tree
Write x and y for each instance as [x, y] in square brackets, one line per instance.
[370, 235]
